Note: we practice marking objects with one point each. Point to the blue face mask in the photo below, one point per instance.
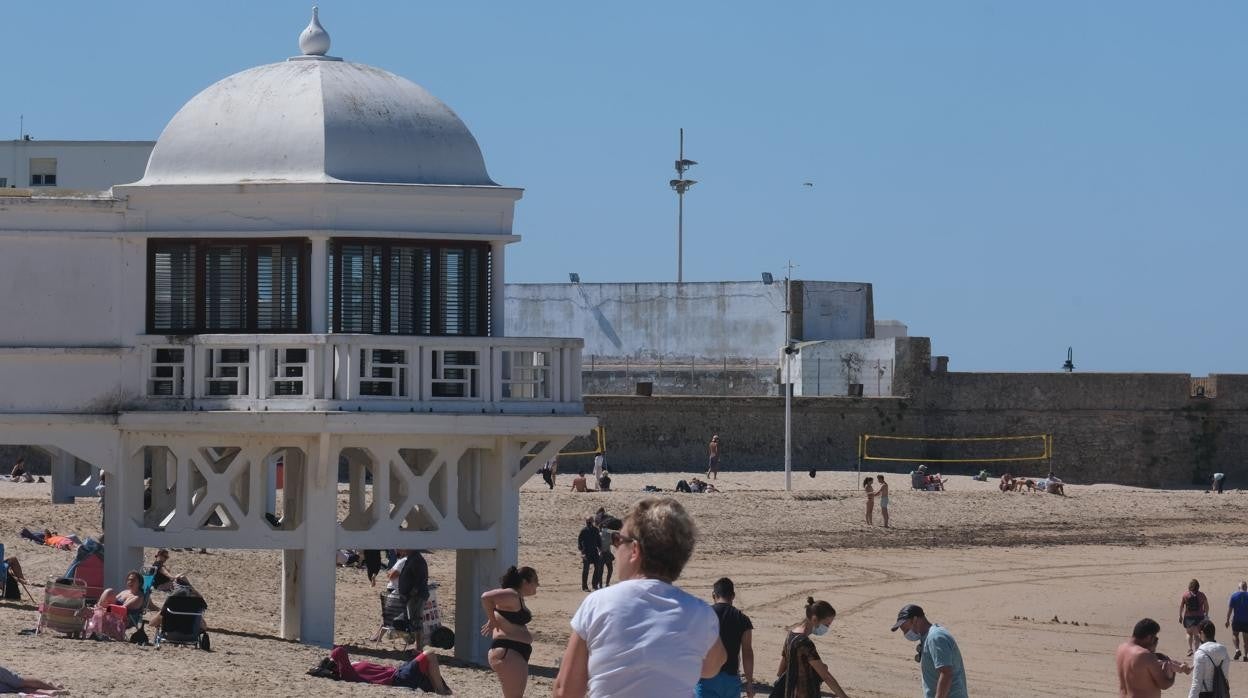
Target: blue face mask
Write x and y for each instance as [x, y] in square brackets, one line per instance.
[912, 636]
[820, 629]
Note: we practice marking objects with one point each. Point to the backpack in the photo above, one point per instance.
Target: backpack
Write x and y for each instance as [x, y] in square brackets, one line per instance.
[1193, 604]
[1218, 683]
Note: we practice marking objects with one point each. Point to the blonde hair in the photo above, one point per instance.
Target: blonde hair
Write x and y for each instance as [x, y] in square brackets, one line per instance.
[665, 533]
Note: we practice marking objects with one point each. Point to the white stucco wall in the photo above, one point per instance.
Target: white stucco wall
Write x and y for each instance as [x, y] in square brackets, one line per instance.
[80, 165]
[827, 368]
[709, 321]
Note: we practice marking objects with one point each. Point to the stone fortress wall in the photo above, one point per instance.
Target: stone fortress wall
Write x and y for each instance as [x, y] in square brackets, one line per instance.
[1134, 429]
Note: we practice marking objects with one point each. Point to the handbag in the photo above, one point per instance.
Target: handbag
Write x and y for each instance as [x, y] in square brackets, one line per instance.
[780, 689]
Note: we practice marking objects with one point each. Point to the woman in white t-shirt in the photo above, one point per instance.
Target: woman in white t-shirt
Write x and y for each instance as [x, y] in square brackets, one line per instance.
[643, 636]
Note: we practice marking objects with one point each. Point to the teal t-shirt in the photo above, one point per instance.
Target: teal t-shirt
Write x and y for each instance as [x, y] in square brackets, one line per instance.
[941, 650]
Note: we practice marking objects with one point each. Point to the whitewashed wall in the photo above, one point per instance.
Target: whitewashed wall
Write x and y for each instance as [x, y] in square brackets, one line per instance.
[81, 165]
[827, 368]
[709, 321]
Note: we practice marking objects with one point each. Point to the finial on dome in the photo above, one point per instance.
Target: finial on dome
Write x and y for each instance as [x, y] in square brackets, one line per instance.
[314, 41]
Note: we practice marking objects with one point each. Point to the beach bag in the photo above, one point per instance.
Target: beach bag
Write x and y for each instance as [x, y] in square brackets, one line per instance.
[1221, 688]
[106, 624]
[780, 689]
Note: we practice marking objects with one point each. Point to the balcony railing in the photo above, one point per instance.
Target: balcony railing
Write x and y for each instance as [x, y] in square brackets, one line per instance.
[364, 372]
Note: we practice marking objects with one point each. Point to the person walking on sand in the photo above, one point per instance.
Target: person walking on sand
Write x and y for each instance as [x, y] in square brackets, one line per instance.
[1210, 666]
[1237, 618]
[1142, 672]
[940, 660]
[801, 670]
[589, 542]
[736, 632]
[869, 488]
[712, 459]
[882, 494]
[1193, 608]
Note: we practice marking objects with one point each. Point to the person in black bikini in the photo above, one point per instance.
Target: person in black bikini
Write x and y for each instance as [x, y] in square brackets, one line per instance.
[506, 622]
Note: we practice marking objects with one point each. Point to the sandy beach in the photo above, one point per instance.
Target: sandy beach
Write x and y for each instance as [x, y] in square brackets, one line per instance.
[1037, 589]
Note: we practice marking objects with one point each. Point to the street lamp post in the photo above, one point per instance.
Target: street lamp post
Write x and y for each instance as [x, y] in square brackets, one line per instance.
[789, 351]
[681, 185]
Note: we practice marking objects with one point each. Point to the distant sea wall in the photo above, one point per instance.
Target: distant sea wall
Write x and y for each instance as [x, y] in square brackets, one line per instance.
[1136, 429]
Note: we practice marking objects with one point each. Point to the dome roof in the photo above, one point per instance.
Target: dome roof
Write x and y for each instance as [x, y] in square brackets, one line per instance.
[314, 118]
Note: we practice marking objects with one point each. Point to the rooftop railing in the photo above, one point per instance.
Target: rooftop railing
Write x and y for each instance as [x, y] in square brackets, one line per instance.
[362, 372]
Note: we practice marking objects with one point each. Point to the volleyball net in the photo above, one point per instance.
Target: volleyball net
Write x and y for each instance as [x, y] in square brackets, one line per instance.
[955, 449]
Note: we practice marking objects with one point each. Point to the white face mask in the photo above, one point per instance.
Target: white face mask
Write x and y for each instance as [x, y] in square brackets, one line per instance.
[913, 636]
[820, 629]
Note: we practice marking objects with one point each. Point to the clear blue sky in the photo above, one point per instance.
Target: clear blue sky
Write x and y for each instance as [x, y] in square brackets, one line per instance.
[1012, 177]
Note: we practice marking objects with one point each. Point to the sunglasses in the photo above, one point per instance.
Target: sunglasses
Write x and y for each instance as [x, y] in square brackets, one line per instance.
[618, 539]
[918, 652]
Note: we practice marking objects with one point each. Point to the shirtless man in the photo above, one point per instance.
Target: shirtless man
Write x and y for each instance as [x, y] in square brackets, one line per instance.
[1142, 673]
[578, 482]
[881, 496]
[712, 460]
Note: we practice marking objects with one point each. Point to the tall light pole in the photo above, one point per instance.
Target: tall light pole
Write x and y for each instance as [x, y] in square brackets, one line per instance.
[789, 351]
[681, 185]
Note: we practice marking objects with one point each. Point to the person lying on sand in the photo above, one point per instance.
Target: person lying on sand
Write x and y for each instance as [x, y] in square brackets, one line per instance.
[12, 683]
[50, 538]
[421, 672]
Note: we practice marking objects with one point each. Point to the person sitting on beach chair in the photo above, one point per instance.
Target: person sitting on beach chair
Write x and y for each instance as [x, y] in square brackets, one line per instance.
[181, 617]
[133, 598]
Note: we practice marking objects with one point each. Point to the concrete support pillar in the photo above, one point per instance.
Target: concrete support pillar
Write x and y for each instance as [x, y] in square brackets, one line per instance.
[123, 495]
[477, 571]
[292, 573]
[355, 492]
[64, 480]
[497, 295]
[316, 587]
[164, 479]
[294, 485]
[318, 286]
[270, 481]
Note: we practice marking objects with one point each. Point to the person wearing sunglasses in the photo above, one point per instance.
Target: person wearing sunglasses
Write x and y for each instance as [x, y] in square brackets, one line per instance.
[940, 660]
[643, 636]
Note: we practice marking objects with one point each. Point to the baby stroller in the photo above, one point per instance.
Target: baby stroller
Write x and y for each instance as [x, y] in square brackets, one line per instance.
[182, 621]
[394, 622]
[64, 607]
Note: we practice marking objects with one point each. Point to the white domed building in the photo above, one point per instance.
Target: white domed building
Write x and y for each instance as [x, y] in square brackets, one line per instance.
[309, 273]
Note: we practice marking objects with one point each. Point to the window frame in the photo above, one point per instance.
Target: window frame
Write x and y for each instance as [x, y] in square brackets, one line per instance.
[436, 291]
[251, 302]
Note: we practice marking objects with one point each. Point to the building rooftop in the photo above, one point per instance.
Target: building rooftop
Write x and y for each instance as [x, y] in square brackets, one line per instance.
[316, 118]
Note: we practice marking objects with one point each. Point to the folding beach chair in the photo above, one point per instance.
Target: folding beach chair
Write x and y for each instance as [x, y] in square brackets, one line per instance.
[64, 607]
[88, 566]
[432, 630]
[182, 622]
[5, 582]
